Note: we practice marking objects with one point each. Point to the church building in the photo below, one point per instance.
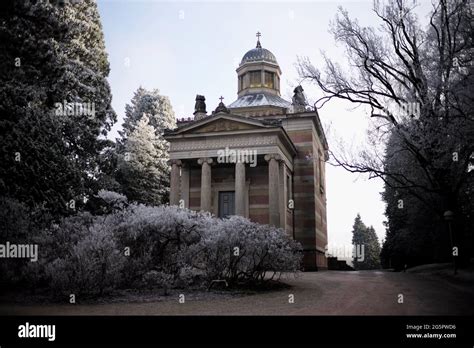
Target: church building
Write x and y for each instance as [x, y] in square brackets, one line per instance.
[261, 157]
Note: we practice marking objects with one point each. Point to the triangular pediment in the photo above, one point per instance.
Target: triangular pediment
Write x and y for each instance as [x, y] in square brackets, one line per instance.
[224, 123]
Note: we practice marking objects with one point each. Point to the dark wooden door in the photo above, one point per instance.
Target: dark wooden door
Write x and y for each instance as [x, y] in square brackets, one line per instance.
[226, 203]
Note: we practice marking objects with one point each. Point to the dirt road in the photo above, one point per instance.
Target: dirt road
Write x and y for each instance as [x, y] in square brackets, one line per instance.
[316, 293]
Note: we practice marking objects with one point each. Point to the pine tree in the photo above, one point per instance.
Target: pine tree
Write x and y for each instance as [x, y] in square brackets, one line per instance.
[53, 59]
[157, 107]
[358, 239]
[364, 239]
[142, 169]
[158, 113]
[372, 252]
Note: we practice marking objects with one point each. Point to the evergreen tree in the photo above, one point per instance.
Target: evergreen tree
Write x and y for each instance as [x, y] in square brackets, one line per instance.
[143, 151]
[358, 239]
[366, 244]
[157, 107]
[54, 69]
[372, 252]
[142, 168]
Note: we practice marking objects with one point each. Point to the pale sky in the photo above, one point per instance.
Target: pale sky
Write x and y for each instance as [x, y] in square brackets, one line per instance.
[185, 48]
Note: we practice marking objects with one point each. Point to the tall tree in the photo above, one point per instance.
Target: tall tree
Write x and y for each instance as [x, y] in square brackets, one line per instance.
[142, 168]
[157, 108]
[55, 101]
[366, 245]
[143, 151]
[373, 250]
[358, 240]
[415, 85]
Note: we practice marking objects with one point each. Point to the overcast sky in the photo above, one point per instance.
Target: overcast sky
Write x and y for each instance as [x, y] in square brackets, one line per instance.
[185, 48]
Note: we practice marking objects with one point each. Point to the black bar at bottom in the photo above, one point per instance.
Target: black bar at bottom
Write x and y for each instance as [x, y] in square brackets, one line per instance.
[223, 330]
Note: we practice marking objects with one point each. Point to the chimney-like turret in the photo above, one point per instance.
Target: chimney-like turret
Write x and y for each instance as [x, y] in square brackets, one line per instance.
[200, 107]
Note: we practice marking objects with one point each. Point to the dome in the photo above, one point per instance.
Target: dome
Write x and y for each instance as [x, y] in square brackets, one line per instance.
[258, 54]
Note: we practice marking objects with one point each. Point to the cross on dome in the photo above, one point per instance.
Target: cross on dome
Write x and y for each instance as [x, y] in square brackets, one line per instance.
[258, 39]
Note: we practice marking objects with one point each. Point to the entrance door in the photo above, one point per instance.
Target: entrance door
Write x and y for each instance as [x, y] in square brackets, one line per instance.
[226, 203]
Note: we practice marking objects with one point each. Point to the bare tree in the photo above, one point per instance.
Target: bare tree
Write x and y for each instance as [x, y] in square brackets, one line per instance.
[417, 87]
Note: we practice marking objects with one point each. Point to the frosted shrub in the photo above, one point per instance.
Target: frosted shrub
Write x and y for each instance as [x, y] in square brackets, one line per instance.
[155, 279]
[158, 238]
[158, 247]
[56, 243]
[114, 199]
[241, 251]
[19, 224]
[106, 202]
[91, 266]
[190, 276]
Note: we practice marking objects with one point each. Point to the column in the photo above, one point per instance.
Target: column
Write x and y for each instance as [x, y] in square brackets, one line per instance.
[185, 184]
[282, 196]
[205, 162]
[174, 182]
[273, 189]
[240, 188]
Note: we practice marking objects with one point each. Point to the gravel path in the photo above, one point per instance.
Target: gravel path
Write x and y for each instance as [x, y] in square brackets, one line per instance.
[314, 293]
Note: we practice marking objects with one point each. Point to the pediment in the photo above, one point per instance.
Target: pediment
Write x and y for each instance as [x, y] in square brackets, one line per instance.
[221, 124]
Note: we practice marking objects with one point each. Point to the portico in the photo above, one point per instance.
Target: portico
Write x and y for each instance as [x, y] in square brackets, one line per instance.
[207, 151]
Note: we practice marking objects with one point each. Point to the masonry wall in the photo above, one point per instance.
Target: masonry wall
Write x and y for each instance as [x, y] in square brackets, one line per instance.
[310, 207]
[258, 191]
[195, 188]
[303, 178]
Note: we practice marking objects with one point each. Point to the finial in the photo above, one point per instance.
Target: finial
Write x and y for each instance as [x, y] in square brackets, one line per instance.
[221, 107]
[258, 39]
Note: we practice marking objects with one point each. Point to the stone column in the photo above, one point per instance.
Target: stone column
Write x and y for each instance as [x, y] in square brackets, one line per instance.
[205, 162]
[282, 197]
[174, 182]
[273, 189]
[185, 184]
[240, 188]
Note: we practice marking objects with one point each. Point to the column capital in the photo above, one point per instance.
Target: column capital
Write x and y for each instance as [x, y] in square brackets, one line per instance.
[203, 160]
[269, 157]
